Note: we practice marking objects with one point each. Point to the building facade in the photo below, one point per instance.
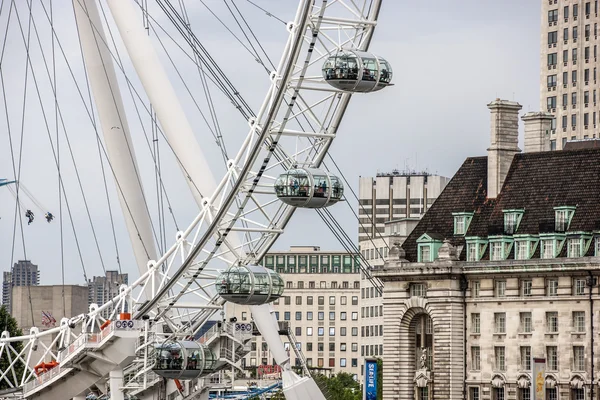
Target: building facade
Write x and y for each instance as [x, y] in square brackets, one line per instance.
[503, 268]
[24, 273]
[390, 206]
[569, 75]
[320, 305]
[102, 289]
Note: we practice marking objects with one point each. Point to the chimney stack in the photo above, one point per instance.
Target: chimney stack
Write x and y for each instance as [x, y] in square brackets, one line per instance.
[537, 131]
[504, 143]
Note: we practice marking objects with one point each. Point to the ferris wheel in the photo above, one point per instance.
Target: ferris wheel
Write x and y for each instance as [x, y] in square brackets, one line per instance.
[150, 330]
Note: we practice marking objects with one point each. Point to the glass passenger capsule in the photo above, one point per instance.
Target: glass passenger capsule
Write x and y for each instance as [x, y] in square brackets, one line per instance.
[183, 360]
[357, 71]
[250, 284]
[308, 188]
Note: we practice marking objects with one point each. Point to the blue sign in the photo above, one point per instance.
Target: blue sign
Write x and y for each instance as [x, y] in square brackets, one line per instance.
[370, 386]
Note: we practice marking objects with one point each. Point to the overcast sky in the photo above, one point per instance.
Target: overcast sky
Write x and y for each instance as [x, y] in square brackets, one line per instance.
[449, 58]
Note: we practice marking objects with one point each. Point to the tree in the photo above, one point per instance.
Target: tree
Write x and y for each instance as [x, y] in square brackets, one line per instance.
[339, 387]
[8, 323]
[379, 379]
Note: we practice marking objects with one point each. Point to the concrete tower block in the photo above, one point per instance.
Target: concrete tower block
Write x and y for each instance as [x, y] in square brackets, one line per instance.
[504, 142]
[537, 131]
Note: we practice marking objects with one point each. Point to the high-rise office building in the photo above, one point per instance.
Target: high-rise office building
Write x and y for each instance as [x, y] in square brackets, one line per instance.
[24, 273]
[569, 70]
[102, 289]
[390, 206]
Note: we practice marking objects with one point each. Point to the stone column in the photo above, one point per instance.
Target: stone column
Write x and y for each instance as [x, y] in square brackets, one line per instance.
[504, 143]
[537, 131]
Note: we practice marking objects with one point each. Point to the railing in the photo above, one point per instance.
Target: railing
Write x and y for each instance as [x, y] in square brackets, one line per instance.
[43, 378]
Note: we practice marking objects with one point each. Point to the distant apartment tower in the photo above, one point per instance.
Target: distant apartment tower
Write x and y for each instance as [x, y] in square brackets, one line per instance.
[390, 206]
[24, 273]
[101, 289]
[392, 196]
[569, 62]
[320, 305]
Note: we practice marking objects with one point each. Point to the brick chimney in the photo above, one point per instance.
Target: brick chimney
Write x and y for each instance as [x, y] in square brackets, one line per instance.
[537, 131]
[504, 143]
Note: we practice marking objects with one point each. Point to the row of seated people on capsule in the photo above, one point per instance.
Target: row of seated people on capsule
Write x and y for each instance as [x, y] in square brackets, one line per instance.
[296, 190]
[352, 73]
[172, 360]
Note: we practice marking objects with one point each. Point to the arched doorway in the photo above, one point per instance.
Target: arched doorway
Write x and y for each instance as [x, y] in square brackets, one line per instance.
[421, 342]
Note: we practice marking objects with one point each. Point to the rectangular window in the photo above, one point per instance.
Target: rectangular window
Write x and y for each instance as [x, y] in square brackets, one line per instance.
[547, 248]
[355, 316]
[552, 287]
[298, 299]
[332, 331]
[525, 318]
[475, 323]
[578, 394]
[552, 358]
[417, 289]
[575, 32]
[526, 358]
[474, 393]
[496, 250]
[526, 287]
[552, 37]
[578, 358]
[475, 358]
[500, 288]
[472, 248]
[298, 315]
[309, 315]
[309, 331]
[552, 16]
[343, 331]
[321, 301]
[475, 286]
[499, 322]
[320, 331]
[579, 286]
[551, 394]
[332, 316]
[524, 393]
[574, 247]
[500, 361]
[551, 81]
[579, 321]
[321, 316]
[552, 59]
[354, 300]
[309, 300]
[522, 250]
[425, 253]
[552, 322]
[573, 120]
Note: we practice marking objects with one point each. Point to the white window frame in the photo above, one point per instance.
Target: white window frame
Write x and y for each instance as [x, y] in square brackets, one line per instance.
[574, 247]
[499, 358]
[578, 358]
[500, 288]
[526, 287]
[525, 320]
[475, 323]
[552, 287]
[500, 323]
[496, 251]
[521, 249]
[579, 321]
[548, 248]
[552, 357]
[552, 322]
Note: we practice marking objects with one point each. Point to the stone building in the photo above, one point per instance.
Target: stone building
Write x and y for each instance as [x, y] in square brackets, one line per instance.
[502, 268]
[390, 205]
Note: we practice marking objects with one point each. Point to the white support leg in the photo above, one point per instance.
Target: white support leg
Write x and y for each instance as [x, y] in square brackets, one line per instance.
[119, 146]
[82, 397]
[116, 383]
[163, 98]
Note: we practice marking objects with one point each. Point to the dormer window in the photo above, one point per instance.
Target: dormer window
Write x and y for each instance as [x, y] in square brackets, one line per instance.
[562, 218]
[428, 246]
[475, 248]
[579, 245]
[597, 246]
[525, 246]
[461, 222]
[512, 219]
[500, 247]
[551, 244]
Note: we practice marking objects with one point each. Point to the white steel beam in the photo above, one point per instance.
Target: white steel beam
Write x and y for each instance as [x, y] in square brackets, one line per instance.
[117, 138]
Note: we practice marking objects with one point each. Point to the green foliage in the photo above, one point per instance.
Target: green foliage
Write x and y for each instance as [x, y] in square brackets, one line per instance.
[8, 323]
[379, 379]
[339, 387]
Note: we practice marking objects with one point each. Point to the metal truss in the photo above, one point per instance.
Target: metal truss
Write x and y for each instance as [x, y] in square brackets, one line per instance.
[296, 125]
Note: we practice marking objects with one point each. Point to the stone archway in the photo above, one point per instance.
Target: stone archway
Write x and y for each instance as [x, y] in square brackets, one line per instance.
[416, 354]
